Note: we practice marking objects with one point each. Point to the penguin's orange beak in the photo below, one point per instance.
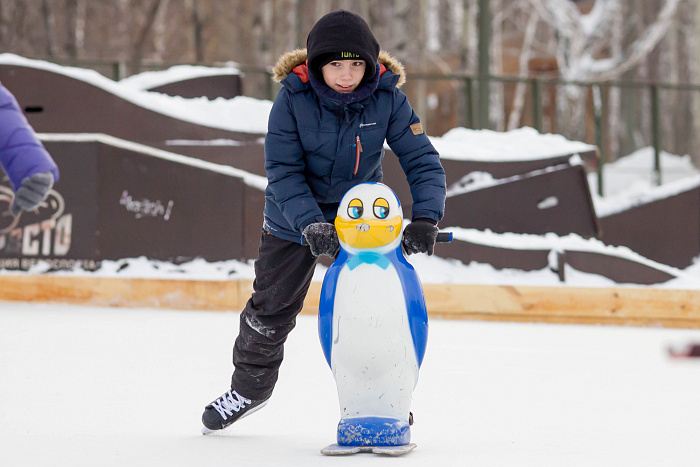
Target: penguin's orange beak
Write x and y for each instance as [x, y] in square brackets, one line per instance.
[368, 233]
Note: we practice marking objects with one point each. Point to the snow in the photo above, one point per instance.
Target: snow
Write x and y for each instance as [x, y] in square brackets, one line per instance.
[240, 114]
[571, 242]
[591, 22]
[209, 142]
[144, 268]
[479, 180]
[629, 181]
[495, 146]
[84, 386]
[152, 79]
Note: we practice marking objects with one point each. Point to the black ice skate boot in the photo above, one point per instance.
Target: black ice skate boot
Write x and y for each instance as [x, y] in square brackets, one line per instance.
[227, 409]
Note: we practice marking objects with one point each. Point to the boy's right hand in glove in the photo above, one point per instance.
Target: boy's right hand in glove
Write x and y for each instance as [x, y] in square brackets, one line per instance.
[322, 239]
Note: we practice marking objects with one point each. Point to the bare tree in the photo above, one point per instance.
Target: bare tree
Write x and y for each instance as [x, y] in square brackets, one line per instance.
[50, 25]
[197, 28]
[71, 28]
[123, 29]
[525, 55]
[3, 24]
[160, 31]
[139, 45]
[496, 108]
[13, 24]
[583, 52]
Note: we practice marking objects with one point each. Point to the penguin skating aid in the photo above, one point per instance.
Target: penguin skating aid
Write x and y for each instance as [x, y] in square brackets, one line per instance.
[373, 324]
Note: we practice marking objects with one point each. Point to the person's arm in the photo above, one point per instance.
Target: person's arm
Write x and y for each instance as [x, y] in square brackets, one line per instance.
[285, 166]
[30, 168]
[419, 160]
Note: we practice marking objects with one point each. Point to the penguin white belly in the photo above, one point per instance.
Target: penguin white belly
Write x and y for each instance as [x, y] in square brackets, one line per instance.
[373, 356]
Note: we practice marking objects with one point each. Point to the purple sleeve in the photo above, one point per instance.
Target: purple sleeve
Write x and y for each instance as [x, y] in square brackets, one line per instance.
[21, 153]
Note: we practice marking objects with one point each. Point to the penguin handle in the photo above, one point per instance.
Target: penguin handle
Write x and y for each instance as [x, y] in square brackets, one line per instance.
[444, 237]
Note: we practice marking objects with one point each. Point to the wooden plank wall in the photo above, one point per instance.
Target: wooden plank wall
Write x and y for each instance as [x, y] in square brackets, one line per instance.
[573, 305]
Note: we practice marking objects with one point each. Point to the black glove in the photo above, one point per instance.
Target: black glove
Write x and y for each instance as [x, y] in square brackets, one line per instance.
[32, 192]
[419, 236]
[322, 239]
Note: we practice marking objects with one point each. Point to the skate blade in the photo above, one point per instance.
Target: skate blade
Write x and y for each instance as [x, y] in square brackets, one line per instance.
[337, 450]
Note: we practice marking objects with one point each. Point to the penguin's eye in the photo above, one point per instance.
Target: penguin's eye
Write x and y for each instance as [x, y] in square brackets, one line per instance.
[355, 209]
[381, 208]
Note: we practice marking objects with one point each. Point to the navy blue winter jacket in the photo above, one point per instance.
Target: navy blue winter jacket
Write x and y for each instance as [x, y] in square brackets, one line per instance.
[321, 143]
[21, 153]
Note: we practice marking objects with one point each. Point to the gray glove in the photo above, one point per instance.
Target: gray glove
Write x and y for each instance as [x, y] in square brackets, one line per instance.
[32, 192]
[322, 239]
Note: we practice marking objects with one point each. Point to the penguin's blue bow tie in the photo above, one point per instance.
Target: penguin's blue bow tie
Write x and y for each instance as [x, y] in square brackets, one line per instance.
[368, 257]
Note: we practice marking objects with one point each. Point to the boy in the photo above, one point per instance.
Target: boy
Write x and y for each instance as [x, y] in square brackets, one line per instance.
[325, 135]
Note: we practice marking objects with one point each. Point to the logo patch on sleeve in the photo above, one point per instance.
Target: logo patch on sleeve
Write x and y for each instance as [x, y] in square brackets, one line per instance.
[417, 128]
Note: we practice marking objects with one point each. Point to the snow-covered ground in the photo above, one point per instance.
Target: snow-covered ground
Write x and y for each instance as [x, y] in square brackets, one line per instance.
[126, 387]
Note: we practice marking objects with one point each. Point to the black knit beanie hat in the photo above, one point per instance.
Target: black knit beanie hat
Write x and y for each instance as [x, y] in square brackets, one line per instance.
[341, 35]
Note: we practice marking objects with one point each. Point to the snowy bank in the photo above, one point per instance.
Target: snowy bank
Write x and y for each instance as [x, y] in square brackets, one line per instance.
[240, 114]
[152, 79]
[516, 145]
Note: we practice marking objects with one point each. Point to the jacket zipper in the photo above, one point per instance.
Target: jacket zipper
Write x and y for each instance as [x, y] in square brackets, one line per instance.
[358, 150]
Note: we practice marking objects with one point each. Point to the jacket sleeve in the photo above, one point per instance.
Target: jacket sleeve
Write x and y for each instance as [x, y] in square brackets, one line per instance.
[21, 153]
[419, 160]
[285, 166]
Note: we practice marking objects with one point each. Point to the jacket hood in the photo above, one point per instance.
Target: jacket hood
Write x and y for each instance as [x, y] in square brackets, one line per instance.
[297, 58]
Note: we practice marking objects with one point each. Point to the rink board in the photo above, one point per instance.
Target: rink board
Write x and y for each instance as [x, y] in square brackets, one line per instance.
[578, 305]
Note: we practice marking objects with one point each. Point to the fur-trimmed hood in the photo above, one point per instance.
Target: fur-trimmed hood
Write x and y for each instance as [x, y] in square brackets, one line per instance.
[293, 59]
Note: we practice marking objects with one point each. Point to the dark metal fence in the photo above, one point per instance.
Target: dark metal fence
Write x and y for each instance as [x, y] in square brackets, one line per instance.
[475, 116]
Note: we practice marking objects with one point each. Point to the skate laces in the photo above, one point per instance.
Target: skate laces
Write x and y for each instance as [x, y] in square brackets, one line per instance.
[229, 403]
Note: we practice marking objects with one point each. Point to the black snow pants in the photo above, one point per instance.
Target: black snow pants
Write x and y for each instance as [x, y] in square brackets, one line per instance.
[283, 273]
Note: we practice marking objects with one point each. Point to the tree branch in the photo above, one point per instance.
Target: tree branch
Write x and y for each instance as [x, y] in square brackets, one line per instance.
[141, 41]
[606, 70]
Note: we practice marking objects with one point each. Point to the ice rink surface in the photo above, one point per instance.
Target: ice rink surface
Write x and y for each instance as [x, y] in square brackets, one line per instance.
[87, 386]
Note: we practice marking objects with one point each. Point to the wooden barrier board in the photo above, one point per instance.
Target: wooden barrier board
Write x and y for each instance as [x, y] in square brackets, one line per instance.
[618, 306]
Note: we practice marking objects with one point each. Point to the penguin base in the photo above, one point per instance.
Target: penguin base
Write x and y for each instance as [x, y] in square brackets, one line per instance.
[337, 450]
[373, 431]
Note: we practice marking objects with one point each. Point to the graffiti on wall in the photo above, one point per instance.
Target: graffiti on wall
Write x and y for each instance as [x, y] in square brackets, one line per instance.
[145, 207]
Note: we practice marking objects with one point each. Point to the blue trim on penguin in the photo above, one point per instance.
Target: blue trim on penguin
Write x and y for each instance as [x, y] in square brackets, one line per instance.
[373, 431]
[325, 306]
[415, 302]
[412, 290]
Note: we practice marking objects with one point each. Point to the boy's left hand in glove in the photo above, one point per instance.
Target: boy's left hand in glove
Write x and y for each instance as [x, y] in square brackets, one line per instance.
[32, 192]
[322, 239]
[419, 236]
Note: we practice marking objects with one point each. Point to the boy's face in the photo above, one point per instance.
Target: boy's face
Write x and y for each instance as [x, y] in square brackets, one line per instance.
[344, 75]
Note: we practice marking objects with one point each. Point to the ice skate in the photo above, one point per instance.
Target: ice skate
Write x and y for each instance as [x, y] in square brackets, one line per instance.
[228, 409]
